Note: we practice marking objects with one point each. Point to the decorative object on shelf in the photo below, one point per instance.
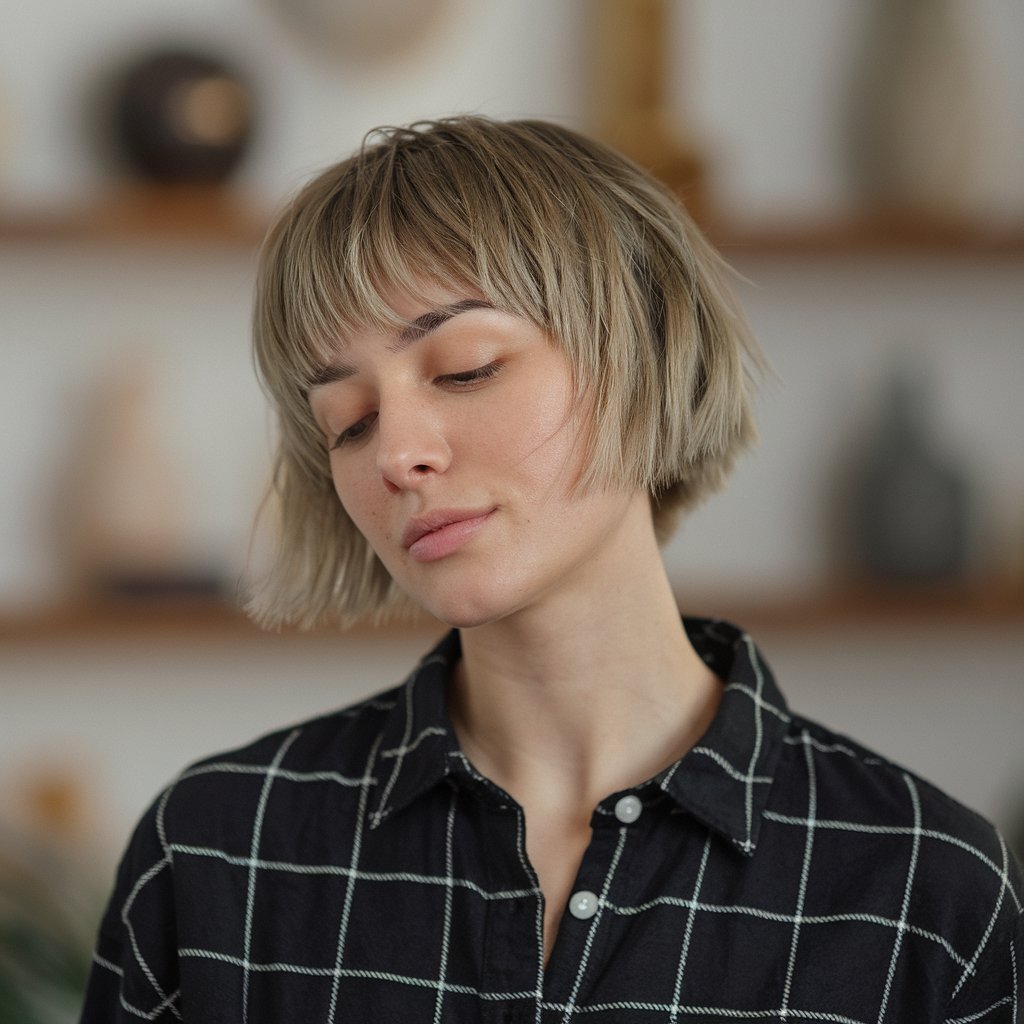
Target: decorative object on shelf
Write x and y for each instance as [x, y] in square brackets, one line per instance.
[912, 506]
[631, 110]
[123, 527]
[361, 30]
[920, 134]
[181, 116]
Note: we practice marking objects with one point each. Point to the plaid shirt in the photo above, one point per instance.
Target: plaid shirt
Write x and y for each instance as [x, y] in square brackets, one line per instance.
[357, 868]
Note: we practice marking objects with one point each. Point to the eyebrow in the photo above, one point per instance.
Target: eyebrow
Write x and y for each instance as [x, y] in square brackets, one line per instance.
[417, 329]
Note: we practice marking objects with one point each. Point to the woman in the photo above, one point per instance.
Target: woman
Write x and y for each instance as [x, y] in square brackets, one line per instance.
[503, 361]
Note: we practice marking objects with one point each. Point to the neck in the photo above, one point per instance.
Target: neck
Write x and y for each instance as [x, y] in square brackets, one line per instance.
[589, 692]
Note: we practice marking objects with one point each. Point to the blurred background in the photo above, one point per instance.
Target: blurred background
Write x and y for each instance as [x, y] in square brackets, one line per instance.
[860, 165]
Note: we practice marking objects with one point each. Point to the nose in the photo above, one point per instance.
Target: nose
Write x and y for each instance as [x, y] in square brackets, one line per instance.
[411, 444]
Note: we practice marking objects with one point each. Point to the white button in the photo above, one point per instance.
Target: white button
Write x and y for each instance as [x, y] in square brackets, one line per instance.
[583, 905]
[628, 809]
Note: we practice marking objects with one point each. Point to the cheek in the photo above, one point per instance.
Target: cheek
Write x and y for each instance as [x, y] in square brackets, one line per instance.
[362, 504]
[537, 425]
[552, 452]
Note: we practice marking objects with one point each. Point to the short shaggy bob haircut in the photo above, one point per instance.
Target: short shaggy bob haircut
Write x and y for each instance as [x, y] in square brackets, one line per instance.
[547, 225]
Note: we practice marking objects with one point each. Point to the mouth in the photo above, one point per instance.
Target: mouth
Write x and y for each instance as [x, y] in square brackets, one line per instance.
[440, 533]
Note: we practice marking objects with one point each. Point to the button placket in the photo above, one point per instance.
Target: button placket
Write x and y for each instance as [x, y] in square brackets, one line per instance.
[598, 885]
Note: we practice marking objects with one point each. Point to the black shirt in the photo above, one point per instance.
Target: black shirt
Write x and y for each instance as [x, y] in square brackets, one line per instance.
[357, 868]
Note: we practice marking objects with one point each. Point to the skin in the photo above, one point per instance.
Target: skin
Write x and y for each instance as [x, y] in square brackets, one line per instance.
[577, 679]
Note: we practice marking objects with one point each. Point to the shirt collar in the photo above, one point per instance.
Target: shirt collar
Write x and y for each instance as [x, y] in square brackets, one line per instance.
[723, 780]
[417, 745]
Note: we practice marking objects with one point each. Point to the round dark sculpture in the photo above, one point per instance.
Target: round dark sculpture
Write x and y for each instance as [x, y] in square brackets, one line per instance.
[182, 117]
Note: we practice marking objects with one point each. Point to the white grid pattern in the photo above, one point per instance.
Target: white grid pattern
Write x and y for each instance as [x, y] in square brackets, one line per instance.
[812, 804]
[674, 1016]
[261, 809]
[765, 781]
[595, 921]
[364, 791]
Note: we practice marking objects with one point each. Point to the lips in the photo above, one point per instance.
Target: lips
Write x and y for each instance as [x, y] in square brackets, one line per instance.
[442, 532]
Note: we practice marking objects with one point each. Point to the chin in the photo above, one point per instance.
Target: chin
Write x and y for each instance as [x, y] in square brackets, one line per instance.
[466, 610]
[463, 617]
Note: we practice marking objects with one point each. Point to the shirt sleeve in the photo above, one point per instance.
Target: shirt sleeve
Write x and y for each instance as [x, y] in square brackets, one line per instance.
[995, 994]
[134, 971]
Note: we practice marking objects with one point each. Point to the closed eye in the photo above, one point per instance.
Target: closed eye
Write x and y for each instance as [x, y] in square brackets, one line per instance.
[481, 373]
[464, 379]
[354, 433]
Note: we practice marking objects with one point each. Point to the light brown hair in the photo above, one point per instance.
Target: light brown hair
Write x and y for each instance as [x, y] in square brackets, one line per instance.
[547, 225]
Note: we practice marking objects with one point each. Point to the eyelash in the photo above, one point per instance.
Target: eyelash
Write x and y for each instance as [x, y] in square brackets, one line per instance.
[464, 379]
[472, 376]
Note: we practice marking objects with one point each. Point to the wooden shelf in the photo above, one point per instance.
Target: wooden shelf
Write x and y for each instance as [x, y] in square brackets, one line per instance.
[199, 216]
[175, 621]
[222, 217]
[874, 235]
[185, 621]
[865, 606]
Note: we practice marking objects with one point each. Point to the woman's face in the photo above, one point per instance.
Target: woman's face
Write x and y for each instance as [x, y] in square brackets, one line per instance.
[454, 447]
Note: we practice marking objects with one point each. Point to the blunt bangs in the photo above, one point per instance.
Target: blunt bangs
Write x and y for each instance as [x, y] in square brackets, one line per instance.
[545, 224]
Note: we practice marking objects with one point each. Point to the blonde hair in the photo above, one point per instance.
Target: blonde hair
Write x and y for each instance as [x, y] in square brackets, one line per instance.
[546, 224]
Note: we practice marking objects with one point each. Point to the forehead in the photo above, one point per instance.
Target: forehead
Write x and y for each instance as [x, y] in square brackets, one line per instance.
[410, 302]
[405, 314]
[335, 313]
[398, 306]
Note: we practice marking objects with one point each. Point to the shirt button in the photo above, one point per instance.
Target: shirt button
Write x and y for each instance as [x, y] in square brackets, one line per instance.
[583, 905]
[628, 809]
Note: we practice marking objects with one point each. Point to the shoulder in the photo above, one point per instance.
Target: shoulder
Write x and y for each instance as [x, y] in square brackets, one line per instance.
[180, 872]
[941, 870]
[330, 740]
[223, 791]
[212, 810]
[852, 784]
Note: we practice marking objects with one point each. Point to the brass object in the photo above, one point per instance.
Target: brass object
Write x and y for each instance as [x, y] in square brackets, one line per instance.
[632, 54]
